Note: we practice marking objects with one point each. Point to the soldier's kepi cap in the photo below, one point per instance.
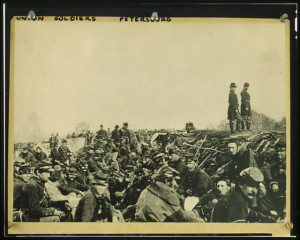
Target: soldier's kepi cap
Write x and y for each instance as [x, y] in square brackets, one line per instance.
[19, 161]
[25, 169]
[166, 172]
[82, 162]
[223, 178]
[189, 157]
[99, 178]
[72, 171]
[44, 167]
[161, 155]
[246, 84]
[233, 85]
[172, 150]
[252, 176]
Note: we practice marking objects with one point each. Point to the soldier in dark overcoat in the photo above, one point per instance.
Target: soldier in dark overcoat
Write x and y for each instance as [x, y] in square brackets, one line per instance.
[69, 184]
[27, 156]
[39, 154]
[95, 204]
[64, 152]
[245, 108]
[195, 182]
[19, 182]
[160, 202]
[240, 159]
[233, 112]
[37, 203]
[124, 133]
[101, 134]
[92, 163]
[176, 162]
[115, 134]
[83, 172]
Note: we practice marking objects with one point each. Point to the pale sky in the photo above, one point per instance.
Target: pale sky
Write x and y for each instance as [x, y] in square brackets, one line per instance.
[152, 75]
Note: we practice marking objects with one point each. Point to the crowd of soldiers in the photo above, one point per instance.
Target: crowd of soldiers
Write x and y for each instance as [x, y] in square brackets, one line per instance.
[113, 179]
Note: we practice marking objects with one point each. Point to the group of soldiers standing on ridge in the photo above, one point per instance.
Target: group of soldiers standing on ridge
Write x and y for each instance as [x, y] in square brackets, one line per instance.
[239, 120]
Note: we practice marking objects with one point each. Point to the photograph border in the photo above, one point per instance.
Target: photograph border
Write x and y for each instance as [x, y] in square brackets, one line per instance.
[165, 228]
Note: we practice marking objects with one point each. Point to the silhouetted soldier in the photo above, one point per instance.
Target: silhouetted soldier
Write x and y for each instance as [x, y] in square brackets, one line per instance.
[245, 108]
[233, 112]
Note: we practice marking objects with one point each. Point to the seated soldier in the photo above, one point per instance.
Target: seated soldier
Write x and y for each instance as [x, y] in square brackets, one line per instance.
[116, 185]
[95, 204]
[39, 154]
[234, 207]
[129, 176]
[27, 156]
[160, 202]
[54, 154]
[94, 160]
[240, 160]
[24, 176]
[161, 159]
[70, 185]
[195, 182]
[133, 157]
[269, 201]
[278, 168]
[30, 147]
[82, 172]
[176, 162]
[37, 203]
[99, 155]
[66, 203]
[210, 199]
[125, 161]
[17, 163]
[147, 162]
[278, 198]
[52, 189]
[143, 178]
[64, 152]
[132, 193]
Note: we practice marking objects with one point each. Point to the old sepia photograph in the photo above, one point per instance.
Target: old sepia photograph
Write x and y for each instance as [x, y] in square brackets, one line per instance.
[134, 120]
